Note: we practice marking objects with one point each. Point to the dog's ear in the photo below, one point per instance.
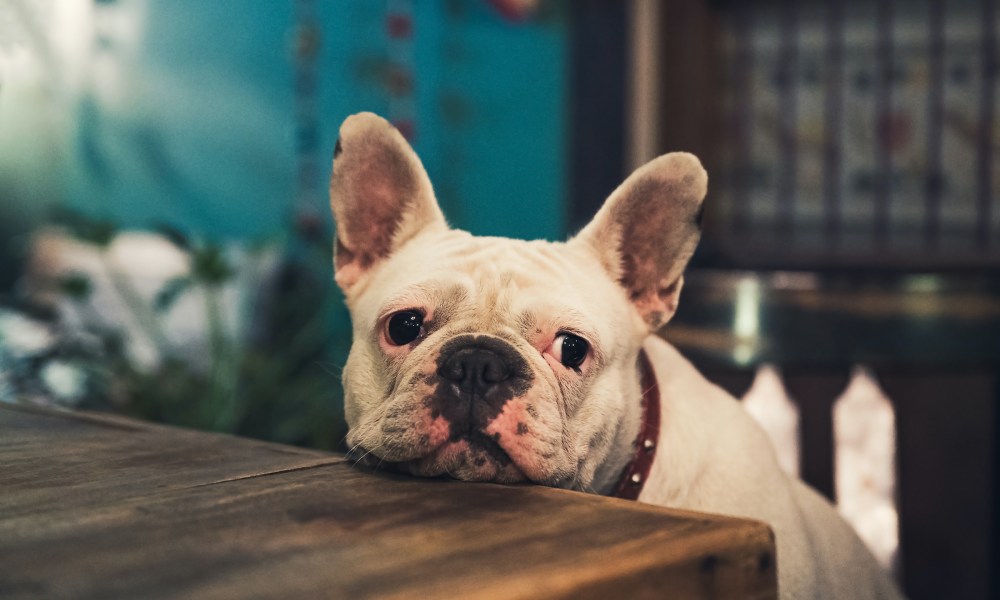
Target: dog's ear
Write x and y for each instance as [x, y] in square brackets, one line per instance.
[647, 231]
[380, 196]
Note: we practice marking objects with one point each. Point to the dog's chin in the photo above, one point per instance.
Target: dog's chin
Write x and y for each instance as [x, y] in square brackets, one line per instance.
[477, 459]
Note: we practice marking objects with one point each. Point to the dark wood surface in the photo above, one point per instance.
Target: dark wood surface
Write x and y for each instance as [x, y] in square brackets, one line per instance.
[94, 506]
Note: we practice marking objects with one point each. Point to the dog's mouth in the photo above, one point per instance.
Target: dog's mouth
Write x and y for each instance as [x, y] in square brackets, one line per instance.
[489, 445]
[475, 456]
[363, 457]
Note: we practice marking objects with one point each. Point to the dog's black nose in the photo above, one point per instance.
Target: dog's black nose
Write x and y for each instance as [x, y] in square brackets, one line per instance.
[475, 369]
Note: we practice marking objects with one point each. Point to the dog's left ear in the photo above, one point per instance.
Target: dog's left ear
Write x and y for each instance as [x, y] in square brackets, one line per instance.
[647, 231]
[380, 196]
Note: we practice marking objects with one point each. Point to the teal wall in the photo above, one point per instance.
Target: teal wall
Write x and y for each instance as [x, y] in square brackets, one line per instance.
[205, 139]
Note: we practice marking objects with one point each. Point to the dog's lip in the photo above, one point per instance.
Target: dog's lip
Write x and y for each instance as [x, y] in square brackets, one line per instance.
[361, 455]
[502, 461]
[491, 445]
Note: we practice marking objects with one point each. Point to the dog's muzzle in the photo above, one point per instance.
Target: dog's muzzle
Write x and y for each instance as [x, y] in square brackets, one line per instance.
[478, 375]
[475, 369]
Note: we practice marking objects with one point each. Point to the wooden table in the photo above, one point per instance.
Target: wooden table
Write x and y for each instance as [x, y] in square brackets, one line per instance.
[95, 506]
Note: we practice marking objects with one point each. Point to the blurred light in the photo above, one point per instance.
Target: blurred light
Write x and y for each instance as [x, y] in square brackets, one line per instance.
[43, 49]
[794, 280]
[51, 37]
[925, 284]
[743, 353]
[746, 323]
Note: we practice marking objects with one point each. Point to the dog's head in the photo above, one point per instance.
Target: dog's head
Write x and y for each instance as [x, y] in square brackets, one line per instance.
[494, 359]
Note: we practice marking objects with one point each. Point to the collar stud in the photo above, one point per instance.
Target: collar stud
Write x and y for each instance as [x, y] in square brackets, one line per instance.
[635, 474]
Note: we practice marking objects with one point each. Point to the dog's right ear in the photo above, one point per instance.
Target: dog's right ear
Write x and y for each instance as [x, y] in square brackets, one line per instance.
[380, 196]
[647, 231]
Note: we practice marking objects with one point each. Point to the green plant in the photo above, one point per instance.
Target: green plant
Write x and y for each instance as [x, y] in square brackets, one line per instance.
[280, 383]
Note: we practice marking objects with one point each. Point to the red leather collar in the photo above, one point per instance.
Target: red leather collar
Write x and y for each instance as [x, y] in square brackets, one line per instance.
[637, 470]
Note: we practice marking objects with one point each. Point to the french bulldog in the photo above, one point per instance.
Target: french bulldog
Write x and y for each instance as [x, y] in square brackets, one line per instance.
[494, 359]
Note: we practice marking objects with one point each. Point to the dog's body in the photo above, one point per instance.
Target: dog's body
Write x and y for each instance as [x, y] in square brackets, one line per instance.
[490, 359]
[730, 468]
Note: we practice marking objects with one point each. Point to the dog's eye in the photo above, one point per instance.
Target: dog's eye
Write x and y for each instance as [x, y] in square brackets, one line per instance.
[404, 327]
[571, 350]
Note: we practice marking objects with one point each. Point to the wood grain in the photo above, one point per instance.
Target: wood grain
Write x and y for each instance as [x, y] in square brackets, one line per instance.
[98, 507]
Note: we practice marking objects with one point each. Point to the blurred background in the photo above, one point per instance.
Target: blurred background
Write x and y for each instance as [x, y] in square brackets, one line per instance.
[165, 231]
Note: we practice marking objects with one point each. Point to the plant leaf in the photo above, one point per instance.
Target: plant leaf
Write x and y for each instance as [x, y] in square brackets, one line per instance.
[170, 292]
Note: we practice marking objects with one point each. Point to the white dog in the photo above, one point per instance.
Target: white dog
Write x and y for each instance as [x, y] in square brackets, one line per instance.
[491, 359]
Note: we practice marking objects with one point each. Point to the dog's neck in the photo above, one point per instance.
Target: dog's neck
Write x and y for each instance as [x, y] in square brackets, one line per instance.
[634, 477]
[608, 473]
